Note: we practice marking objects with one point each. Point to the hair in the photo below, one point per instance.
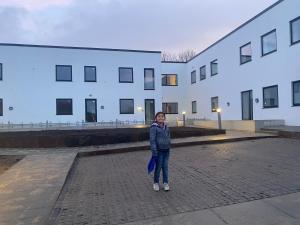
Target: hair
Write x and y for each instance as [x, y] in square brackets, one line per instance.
[158, 113]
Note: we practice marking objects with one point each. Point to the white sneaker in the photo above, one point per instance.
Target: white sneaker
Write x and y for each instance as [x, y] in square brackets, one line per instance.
[155, 187]
[166, 187]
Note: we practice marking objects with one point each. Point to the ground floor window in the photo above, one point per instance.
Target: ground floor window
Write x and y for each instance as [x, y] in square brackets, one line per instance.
[170, 108]
[126, 106]
[214, 104]
[1, 107]
[194, 107]
[296, 93]
[270, 97]
[64, 107]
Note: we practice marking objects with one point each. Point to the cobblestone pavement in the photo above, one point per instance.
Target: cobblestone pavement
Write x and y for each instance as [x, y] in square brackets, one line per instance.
[7, 161]
[115, 189]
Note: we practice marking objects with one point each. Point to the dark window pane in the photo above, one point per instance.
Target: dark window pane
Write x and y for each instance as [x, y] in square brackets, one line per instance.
[1, 107]
[246, 53]
[169, 80]
[214, 104]
[126, 106]
[0, 71]
[170, 108]
[214, 67]
[125, 75]
[269, 43]
[202, 72]
[296, 93]
[149, 79]
[90, 74]
[64, 107]
[270, 95]
[193, 77]
[63, 73]
[194, 107]
[295, 26]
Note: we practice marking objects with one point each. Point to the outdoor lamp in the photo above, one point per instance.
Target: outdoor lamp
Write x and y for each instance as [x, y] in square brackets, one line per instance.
[183, 115]
[219, 110]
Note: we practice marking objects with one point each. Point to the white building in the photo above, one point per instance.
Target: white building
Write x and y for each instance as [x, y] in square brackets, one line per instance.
[253, 73]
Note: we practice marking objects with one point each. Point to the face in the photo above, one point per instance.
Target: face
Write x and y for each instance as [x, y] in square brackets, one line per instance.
[160, 118]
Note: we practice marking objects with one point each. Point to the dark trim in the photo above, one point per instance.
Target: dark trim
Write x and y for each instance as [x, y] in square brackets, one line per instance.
[56, 66]
[293, 94]
[242, 63]
[291, 31]
[149, 99]
[194, 112]
[78, 48]
[211, 103]
[238, 28]
[130, 82]
[170, 103]
[149, 89]
[85, 73]
[120, 106]
[91, 99]
[200, 72]
[1, 71]
[269, 107]
[168, 74]
[71, 106]
[211, 74]
[194, 71]
[250, 103]
[172, 62]
[261, 42]
[1, 107]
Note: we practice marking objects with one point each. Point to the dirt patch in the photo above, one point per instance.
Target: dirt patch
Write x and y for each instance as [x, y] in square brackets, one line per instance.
[7, 161]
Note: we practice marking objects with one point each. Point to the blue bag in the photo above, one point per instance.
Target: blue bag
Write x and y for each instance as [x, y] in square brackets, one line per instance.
[151, 164]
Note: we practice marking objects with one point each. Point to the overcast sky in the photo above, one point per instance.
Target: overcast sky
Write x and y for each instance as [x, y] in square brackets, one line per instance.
[166, 25]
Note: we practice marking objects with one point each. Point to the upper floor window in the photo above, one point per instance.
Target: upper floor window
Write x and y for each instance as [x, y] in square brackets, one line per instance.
[63, 73]
[202, 72]
[214, 67]
[90, 74]
[1, 107]
[295, 30]
[245, 53]
[214, 104]
[126, 106]
[169, 80]
[0, 71]
[296, 93]
[170, 108]
[149, 79]
[270, 97]
[125, 75]
[193, 77]
[194, 107]
[64, 107]
[268, 43]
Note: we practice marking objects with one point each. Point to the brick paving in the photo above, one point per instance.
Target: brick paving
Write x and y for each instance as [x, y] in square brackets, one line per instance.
[7, 161]
[115, 189]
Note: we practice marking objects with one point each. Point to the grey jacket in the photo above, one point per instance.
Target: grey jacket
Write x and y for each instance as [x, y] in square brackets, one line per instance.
[160, 139]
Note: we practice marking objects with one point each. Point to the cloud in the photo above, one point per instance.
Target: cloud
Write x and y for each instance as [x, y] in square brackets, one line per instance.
[32, 5]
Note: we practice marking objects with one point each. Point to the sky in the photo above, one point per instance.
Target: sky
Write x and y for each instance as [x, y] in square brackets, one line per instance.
[164, 25]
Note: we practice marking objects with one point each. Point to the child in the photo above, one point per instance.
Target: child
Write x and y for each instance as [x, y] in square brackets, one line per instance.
[160, 147]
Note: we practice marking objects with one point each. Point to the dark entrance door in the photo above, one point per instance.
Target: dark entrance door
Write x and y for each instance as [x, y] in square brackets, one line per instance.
[149, 110]
[91, 110]
[247, 105]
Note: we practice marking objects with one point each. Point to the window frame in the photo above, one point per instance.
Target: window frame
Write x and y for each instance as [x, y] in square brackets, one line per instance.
[128, 82]
[57, 106]
[212, 62]
[169, 74]
[122, 113]
[56, 69]
[170, 103]
[242, 63]
[194, 102]
[192, 73]
[291, 31]
[149, 89]
[1, 71]
[204, 66]
[262, 44]
[293, 93]
[270, 107]
[211, 101]
[85, 80]
[1, 106]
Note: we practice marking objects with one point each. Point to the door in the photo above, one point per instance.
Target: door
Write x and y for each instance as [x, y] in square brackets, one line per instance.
[149, 110]
[247, 105]
[91, 110]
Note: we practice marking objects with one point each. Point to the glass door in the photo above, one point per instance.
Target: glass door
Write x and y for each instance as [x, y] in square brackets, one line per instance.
[247, 105]
[149, 110]
[91, 110]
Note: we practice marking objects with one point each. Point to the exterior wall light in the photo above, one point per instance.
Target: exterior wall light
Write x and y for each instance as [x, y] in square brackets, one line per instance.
[140, 109]
[183, 117]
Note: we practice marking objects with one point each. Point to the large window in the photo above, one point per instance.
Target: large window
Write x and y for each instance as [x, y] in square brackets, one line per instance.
[63, 73]
[245, 53]
[193, 77]
[170, 108]
[0, 71]
[214, 67]
[296, 93]
[1, 107]
[270, 97]
[149, 79]
[126, 106]
[214, 104]
[202, 72]
[90, 74]
[64, 107]
[125, 75]
[169, 80]
[194, 107]
[268, 43]
[295, 30]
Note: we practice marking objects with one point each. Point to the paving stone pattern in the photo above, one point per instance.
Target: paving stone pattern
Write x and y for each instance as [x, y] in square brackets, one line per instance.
[115, 189]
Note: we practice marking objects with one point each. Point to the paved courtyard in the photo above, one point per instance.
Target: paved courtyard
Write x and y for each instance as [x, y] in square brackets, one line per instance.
[115, 189]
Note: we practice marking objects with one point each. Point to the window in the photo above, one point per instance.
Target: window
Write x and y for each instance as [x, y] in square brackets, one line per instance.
[296, 93]
[90, 74]
[269, 43]
[245, 53]
[194, 107]
[125, 75]
[193, 77]
[170, 108]
[149, 79]
[214, 104]
[126, 106]
[0, 71]
[1, 107]
[214, 67]
[63, 73]
[202, 72]
[295, 30]
[64, 107]
[169, 80]
[270, 97]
